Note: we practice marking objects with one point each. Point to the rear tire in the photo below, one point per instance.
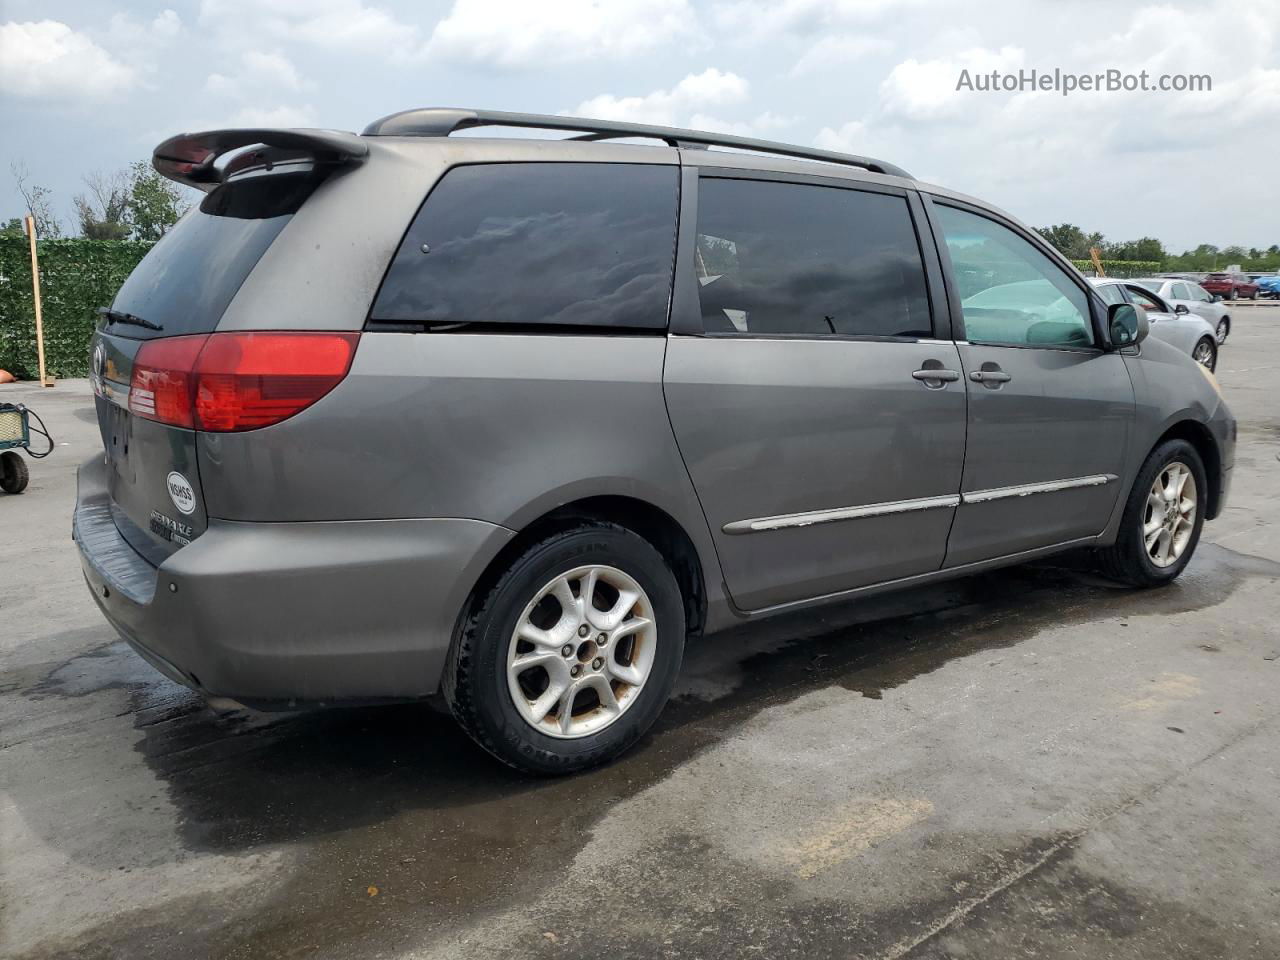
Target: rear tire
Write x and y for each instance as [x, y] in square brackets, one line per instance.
[1134, 558]
[617, 663]
[1205, 353]
[13, 472]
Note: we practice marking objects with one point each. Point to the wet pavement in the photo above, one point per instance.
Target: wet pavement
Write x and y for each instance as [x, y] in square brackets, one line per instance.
[1031, 762]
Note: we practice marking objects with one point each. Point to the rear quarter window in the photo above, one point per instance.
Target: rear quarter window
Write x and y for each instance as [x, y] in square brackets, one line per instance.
[557, 244]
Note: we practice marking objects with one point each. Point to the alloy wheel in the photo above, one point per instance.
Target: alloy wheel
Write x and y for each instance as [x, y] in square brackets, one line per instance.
[1170, 515]
[581, 651]
[1221, 331]
[1203, 354]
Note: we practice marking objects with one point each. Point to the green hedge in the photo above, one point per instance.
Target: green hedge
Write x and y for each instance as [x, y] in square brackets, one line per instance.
[1121, 268]
[76, 276]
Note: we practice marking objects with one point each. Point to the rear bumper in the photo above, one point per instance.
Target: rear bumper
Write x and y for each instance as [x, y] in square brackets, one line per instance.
[280, 614]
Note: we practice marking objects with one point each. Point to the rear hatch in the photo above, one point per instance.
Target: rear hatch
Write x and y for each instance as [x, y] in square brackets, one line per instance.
[147, 344]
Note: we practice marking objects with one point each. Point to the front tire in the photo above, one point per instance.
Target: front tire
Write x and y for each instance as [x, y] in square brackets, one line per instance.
[569, 657]
[1222, 331]
[1162, 518]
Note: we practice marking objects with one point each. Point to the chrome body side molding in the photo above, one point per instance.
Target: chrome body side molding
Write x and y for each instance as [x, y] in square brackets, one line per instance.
[1028, 489]
[836, 514]
[839, 513]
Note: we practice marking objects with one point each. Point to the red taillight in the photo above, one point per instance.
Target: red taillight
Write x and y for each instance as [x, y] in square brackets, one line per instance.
[250, 380]
[163, 383]
[225, 382]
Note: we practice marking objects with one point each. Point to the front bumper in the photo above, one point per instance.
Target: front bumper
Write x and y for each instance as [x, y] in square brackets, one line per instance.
[285, 614]
[1225, 430]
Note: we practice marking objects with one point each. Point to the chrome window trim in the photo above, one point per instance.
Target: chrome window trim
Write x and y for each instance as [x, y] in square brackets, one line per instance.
[789, 520]
[1028, 489]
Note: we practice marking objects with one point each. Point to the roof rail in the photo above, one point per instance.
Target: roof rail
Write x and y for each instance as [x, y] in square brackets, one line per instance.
[442, 121]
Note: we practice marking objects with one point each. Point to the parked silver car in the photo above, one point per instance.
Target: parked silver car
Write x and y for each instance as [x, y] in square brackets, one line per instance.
[1187, 296]
[1187, 331]
[506, 419]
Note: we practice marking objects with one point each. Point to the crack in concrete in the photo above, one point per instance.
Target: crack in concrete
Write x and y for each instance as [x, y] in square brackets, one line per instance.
[960, 911]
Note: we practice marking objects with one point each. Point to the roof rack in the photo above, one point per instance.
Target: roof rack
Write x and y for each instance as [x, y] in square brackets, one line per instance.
[442, 121]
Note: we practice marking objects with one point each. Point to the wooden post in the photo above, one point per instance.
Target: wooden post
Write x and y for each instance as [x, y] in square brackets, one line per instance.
[45, 380]
[1097, 261]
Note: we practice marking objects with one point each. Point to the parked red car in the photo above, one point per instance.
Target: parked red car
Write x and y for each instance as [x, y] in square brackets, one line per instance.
[1231, 286]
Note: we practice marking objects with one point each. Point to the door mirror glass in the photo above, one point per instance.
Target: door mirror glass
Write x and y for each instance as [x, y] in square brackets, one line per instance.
[1128, 324]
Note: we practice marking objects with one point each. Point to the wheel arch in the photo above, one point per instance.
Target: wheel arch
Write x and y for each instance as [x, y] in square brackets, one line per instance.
[1211, 338]
[1198, 435]
[655, 525]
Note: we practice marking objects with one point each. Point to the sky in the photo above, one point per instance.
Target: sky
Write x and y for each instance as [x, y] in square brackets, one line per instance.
[92, 85]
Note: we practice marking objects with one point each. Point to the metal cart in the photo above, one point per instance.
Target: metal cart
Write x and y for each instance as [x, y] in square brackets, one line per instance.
[15, 435]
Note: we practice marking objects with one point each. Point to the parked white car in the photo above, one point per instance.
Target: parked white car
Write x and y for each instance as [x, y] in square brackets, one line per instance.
[1188, 296]
[1185, 330]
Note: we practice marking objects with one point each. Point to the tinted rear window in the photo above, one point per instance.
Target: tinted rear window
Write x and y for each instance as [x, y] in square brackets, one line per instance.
[189, 277]
[579, 244]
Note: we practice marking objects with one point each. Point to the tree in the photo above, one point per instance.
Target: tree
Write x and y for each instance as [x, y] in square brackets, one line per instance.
[13, 228]
[1068, 239]
[1148, 248]
[155, 204]
[104, 214]
[39, 202]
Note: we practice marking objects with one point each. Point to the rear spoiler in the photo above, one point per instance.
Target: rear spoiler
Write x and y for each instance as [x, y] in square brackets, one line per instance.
[189, 158]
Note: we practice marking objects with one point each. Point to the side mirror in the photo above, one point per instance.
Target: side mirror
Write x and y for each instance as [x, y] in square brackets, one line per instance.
[1181, 308]
[1128, 324]
[1217, 298]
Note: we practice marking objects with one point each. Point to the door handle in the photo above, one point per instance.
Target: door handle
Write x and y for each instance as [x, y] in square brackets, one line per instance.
[989, 376]
[946, 376]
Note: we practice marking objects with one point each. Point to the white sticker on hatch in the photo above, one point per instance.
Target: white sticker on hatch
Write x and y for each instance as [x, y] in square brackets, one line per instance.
[181, 493]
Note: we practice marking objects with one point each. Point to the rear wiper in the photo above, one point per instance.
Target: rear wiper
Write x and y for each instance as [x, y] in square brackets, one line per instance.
[117, 316]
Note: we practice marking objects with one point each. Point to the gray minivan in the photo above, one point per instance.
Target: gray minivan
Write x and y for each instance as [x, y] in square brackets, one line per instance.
[505, 419]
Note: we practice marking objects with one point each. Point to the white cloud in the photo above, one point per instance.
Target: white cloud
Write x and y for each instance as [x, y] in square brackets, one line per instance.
[349, 25]
[846, 138]
[48, 59]
[838, 49]
[916, 90]
[518, 33]
[126, 33]
[282, 116]
[767, 19]
[694, 93]
[258, 71]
